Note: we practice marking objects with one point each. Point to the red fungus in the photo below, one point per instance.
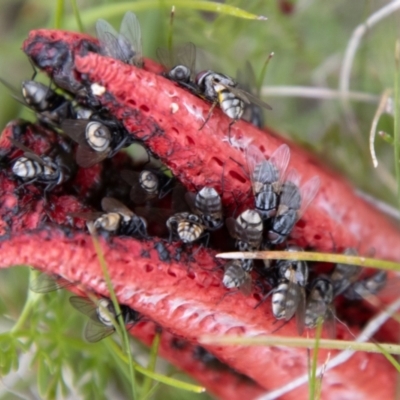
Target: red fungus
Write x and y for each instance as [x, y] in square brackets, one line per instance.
[192, 306]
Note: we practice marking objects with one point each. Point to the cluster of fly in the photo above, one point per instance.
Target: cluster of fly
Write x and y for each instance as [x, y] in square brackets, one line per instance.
[280, 198]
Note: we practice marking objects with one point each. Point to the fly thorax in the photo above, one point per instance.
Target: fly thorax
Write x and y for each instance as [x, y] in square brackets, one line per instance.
[26, 168]
[98, 136]
[266, 202]
[109, 222]
[35, 94]
[104, 310]
[149, 181]
[204, 80]
[279, 300]
[180, 73]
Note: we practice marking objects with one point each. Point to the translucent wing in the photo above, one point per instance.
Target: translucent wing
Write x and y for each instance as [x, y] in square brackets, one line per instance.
[308, 191]
[27, 152]
[245, 287]
[14, 92]
[247, 78]
[280, 158]
[87, 216]
[191, 200]
[247, 97]
[165, 57]
[185, 54]
[231, 226]
[75, 129]
[130, 30]
[45, 283]
[110, 204]
[85, 306]
[86, 157]
[96, 331]
[290, 194]
[108, 38]
[137, 194]
[330, 322]
[301, 311]
[293, 298]
[258, 167]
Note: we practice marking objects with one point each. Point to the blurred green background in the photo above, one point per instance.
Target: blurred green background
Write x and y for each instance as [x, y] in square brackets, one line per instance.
[308, 38]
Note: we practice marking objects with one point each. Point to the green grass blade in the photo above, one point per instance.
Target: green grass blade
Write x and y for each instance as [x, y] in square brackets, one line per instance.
[314, 365]
[91, 15]
[58, 14]
[77, 16]
[389, 357]
[396, 118]
[309, 256]
[146, 388]
[160, 378]
[120, 327]
[300, 342]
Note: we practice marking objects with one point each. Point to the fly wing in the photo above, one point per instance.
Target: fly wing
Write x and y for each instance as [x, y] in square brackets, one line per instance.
[109, 204]
[308, 191]
[330, 322]
[247, 78]
[258, 167]
[108, 38]
[85, 306]
[293, 297]
[137, 194]
[290, 194]
[247, 97]
[185, 54]
[280, 158]
[245, 287]
[75, 129]
[45, 283]
[130, 30]
[301, 311]
[86, 157]
[14, 92]
[165, 57]
[27, 152]
[231, 226]
[95, 331]
[191, 200]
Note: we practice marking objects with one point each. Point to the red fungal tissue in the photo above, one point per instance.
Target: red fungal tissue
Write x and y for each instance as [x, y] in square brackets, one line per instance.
[183, 293]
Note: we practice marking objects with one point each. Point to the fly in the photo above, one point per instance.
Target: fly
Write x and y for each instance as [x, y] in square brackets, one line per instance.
[293, 202]
[186, 226]
[102, 314]
[208, 205]
[344, 275]
[147, 185]
[235, 276]
[267, 177]
[247, 229]
[126, 45]
[51, 170]
[180, 63]
[97, 139]
[116, 218]
[50, 107]
[222, 90]
[288, 298]
[319, 305]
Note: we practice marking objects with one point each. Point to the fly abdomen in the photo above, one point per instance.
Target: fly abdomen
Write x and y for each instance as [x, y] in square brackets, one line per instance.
[231, 105]
[266, 202]
[279, 300]
[26, 169]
